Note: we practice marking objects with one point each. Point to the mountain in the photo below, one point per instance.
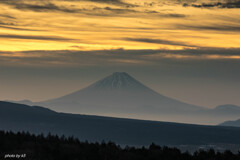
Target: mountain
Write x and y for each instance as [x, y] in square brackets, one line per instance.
[231, 123]
[118, 92]
[120, 95]
[231, 110]
[227, 109]
[19, 117]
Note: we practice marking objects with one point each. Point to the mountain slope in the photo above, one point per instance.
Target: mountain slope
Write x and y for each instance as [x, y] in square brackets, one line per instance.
[118, 93]
[18, 117]
[227, 109]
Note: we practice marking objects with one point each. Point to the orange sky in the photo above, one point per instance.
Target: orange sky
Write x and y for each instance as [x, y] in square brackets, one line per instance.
[84, 25]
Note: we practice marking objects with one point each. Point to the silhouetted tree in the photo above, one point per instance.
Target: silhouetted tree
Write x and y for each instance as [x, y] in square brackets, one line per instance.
[53, 147]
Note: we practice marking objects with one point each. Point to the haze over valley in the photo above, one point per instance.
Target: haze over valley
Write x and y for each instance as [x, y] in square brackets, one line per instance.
[120, 95]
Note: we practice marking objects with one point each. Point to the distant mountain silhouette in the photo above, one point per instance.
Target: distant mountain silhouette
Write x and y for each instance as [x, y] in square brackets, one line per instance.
[231, 110]
[121, 95]
[18, 117]
[231, 123]
[118, 93]
[227, 109]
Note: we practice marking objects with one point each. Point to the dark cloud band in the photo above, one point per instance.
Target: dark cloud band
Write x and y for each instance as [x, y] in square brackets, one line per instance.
[228, 4]
[120, 56]
[158, 41]
[30, 37]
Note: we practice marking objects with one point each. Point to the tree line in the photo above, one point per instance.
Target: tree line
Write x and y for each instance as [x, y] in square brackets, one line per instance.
[54, 147]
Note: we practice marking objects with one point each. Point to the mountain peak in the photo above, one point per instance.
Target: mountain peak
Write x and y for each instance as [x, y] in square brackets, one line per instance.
[120, 73]
[119, 81]
[120, 76]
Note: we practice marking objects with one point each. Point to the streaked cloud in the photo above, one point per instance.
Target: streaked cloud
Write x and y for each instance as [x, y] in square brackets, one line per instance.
[12, 27]
[7, 16]
[159, 41]
[111, 24]
[114, 57]
[219, 4]
[32, 37]
[50, 5]
[35, 5]
[220, 27]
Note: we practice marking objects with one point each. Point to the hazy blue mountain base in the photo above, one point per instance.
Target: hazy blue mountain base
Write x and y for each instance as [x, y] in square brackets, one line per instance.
[18, 117]
[120, 95]
[231, 123]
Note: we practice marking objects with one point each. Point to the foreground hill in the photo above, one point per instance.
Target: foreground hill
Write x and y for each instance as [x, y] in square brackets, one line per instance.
[18, 117]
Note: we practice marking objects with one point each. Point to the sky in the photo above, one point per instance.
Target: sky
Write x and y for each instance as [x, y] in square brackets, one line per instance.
[184, 49]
